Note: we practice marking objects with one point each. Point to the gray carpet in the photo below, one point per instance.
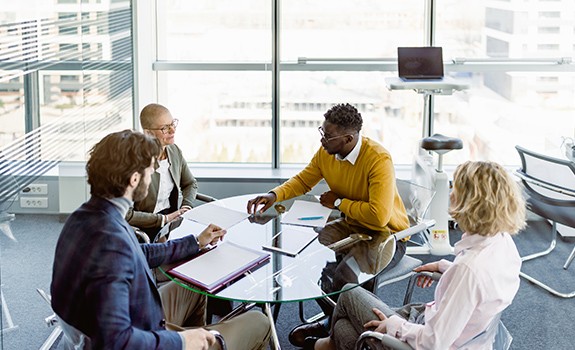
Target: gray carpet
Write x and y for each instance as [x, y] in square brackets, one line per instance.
[536, 319]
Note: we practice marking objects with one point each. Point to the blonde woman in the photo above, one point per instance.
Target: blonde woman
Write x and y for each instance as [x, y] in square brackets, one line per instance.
[480, 283]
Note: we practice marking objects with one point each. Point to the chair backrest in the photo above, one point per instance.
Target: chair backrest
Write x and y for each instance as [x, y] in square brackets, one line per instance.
[551, 177]
[550, 185]
[416, 199]
[496, 333]
[73, 339]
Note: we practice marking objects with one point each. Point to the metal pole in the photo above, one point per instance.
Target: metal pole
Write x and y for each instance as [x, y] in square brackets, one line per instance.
[275, 84]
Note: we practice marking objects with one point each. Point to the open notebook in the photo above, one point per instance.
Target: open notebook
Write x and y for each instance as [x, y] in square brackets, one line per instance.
[219, 266]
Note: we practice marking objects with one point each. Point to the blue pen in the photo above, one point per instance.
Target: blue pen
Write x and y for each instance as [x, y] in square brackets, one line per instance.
[310, 218]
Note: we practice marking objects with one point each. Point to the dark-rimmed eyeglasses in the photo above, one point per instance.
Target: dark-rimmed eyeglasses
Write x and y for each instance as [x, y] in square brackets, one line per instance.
[328, 139]
[166, 128]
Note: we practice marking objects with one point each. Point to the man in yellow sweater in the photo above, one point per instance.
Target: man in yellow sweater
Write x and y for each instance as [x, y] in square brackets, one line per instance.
[361, 179]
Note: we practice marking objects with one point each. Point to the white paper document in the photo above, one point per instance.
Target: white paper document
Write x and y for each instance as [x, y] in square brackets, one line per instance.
[214, 214]
[304, 213]
[291, 240]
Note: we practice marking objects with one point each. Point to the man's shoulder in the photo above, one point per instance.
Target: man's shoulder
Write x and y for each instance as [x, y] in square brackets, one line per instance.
[375, 148]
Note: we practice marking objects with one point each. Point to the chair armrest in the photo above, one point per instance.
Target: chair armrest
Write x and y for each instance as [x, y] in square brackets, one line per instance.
[545, 185]
[385, 339]
[411, 284]
[204, 197]
[422, 226]
[141, 235]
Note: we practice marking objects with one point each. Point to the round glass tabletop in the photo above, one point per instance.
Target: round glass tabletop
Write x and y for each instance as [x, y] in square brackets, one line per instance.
[324, 267]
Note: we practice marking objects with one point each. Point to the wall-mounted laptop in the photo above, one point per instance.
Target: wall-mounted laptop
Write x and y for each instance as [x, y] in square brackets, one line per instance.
[420, 63]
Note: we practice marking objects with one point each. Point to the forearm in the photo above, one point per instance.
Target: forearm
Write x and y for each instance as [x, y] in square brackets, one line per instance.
[375, 212]
[170, 252]
[301, 183]
[144, 219]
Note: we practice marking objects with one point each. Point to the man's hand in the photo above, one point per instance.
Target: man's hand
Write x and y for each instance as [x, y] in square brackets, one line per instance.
[211, 235]
[426, 281]
[380, 324]
[197, 339]
[267, 200]
[327, 198]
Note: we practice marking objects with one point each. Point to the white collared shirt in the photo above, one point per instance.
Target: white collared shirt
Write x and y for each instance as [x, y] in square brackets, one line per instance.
[480, 283]
[352, 156]
[166, 186]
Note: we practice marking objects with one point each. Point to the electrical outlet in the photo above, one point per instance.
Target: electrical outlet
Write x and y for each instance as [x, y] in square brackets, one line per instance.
[35, 189]
[33, 202]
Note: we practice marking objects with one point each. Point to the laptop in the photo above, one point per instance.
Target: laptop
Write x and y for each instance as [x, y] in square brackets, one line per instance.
[420, 63]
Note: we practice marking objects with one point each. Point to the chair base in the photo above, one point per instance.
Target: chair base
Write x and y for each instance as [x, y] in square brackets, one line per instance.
[569, 259]
[546, 287]
[543, 253]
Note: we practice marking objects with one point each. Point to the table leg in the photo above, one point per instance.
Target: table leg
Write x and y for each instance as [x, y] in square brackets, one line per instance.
[274, 336]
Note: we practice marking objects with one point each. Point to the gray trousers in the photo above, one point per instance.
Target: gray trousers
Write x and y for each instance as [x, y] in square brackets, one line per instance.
[354, 309]
[184, 308]
[365, 254]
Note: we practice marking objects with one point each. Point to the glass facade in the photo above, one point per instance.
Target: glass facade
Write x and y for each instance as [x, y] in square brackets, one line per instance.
[514, 54]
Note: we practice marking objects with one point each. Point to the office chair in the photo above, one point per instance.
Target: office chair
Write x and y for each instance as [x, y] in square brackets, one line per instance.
[496, 330]
[416, 200]
[549, 184]
[72, 338]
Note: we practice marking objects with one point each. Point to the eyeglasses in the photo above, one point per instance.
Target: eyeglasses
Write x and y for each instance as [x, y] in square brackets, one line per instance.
[166, 128]
[328, 139]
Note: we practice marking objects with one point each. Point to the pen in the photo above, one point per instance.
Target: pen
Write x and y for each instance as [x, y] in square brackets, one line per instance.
[310, 218]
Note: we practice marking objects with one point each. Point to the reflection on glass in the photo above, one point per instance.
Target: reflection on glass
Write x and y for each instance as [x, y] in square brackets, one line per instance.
[225, 117]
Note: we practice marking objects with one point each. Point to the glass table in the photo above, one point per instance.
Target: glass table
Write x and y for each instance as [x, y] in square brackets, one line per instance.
[322, 269]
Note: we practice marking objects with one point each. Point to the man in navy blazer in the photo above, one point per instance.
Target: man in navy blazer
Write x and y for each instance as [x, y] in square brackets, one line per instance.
[102, 283]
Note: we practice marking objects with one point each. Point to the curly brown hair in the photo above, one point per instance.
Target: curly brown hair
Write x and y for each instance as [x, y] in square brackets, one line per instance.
[344, 116]
[116, 158]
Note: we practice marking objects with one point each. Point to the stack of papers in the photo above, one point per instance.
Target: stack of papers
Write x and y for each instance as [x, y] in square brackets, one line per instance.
[214, 214]
[304, 213]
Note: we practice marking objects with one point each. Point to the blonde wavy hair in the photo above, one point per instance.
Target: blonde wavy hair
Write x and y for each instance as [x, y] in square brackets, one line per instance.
[485, 199]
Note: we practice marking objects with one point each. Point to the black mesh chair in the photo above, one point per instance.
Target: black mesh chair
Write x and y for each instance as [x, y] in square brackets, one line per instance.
[549, 185]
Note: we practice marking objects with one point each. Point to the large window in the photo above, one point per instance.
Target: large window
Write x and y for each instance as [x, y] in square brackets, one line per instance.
[515, 58]
[61, 85]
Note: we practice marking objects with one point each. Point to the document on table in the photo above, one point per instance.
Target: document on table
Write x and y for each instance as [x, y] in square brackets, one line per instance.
[215, 214]
[219, 266]
[291, 240]
[304, 213]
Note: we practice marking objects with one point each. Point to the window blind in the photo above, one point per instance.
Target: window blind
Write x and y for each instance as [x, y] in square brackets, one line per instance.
[69, 76]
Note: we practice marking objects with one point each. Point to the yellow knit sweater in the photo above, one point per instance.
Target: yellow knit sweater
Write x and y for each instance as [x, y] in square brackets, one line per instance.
[367, 188]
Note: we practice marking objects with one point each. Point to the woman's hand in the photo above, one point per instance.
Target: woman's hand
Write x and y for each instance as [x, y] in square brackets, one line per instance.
[426, 281]
[176, 214]
[378, 325]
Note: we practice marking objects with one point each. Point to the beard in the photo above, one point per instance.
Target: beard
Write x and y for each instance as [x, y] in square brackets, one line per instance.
[140, 192]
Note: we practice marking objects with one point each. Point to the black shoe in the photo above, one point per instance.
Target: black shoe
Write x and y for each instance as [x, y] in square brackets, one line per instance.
[309, 343]
[298, 334]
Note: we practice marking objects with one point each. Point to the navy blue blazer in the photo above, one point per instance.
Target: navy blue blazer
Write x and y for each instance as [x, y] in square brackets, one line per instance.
[102, 283]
